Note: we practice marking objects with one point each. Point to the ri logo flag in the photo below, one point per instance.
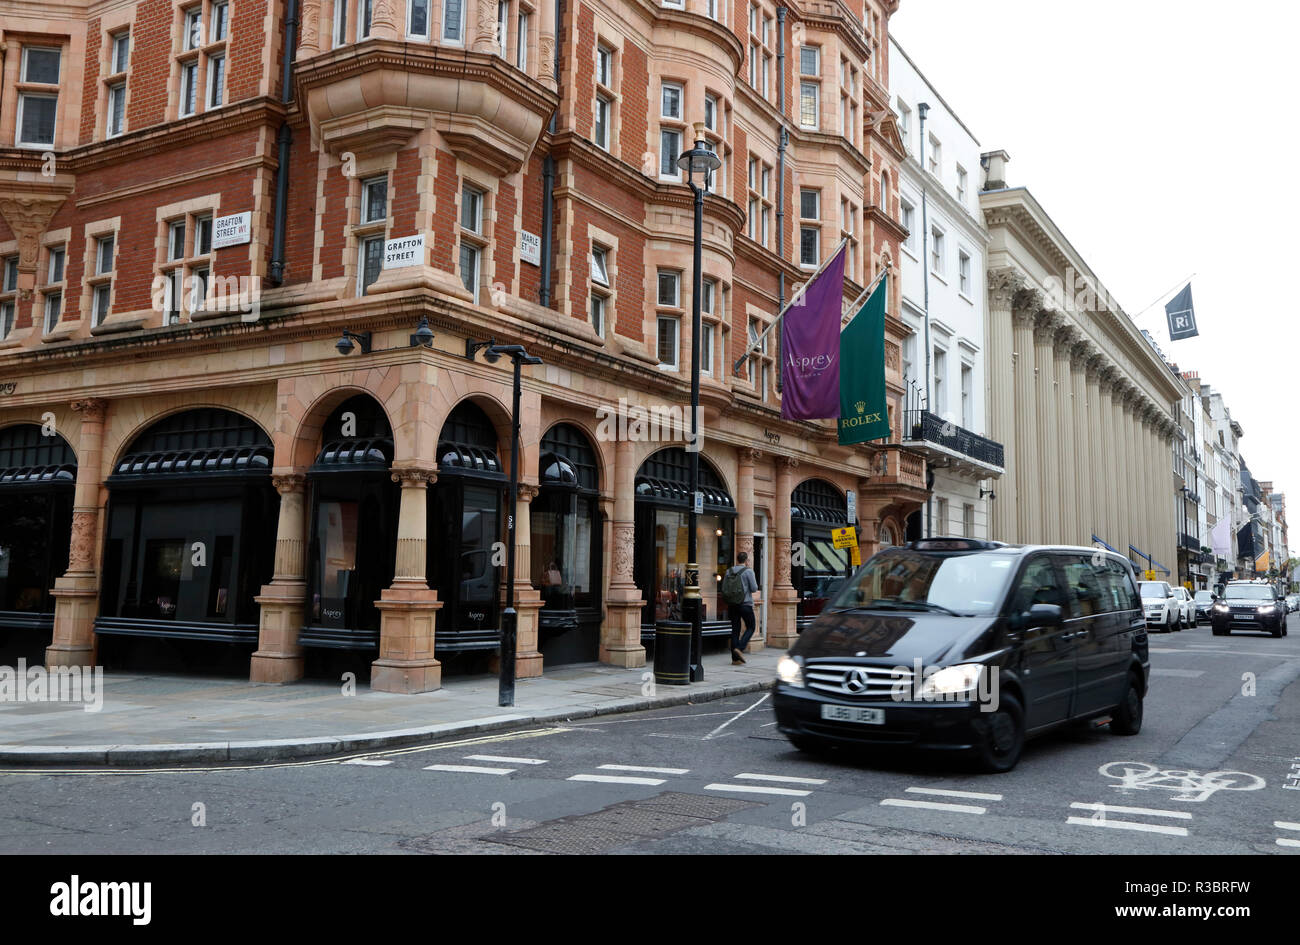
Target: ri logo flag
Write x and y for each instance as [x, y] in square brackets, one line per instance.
[1182, 318]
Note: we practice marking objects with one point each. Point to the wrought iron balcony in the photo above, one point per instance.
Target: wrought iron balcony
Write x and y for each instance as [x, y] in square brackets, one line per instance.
[921, 426]
[1189, 542]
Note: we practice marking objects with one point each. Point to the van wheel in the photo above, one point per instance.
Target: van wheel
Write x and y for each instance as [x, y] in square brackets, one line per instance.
[809, 745]
[1217, 632]
[1001, 736]
[1127, 718]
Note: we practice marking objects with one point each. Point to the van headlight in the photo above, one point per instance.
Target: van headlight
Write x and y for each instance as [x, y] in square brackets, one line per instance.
[790, 671]
[952, 679]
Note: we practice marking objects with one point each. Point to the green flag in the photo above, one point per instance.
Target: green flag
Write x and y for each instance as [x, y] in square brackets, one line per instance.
[864, 414]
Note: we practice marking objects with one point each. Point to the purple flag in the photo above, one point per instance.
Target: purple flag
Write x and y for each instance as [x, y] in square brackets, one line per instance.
[810, 346]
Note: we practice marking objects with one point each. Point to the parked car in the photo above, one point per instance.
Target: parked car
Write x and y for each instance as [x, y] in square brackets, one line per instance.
[968, 646]
[1204, 601]
[1159, 605]
[1248, 605]
[1293, 603]
[1186, 607]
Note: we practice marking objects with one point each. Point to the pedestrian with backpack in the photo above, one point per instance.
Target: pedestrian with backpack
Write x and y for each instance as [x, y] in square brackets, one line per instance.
[738, 589]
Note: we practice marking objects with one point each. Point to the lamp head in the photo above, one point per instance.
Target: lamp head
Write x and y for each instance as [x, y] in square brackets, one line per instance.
[344, 345]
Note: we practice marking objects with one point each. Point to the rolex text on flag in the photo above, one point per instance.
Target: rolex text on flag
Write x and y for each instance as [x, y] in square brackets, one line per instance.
[864, 414]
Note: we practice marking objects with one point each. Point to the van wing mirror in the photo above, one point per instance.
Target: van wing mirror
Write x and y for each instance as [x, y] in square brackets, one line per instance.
[1042, 615]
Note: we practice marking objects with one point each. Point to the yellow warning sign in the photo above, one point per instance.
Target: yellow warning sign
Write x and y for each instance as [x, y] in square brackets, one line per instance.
[1150, 574]
[846, 537]
[855, 556]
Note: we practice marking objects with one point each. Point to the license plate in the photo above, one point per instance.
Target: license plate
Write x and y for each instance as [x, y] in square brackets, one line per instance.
[847, 713]
[1242, 617]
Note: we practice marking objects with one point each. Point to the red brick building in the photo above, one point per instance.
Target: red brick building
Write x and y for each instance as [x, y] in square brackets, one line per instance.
[200, 454]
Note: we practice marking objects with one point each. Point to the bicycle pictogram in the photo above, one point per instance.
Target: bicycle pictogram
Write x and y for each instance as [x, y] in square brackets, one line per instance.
[1185, 784]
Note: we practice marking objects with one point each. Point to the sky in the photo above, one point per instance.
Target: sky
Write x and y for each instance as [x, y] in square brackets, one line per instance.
[1160, 137]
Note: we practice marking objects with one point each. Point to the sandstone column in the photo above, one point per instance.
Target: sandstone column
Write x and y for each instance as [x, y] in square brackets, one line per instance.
[1099, 451]
[1001, 407]
[542, 65]
[1083, 457]
[783, 610]
[409, 608]
[1028, 497]
[1137, 479]
[279, 657]
[620, 634]
[76, 593]
[1120, 486]
[1146, 433]
[528, 600]
[746, 458]
[1049, 479]
[1067, 486]
[1111, 470]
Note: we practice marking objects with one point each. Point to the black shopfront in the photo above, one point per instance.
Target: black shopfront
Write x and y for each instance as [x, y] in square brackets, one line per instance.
[662, 517]
[566, 547]
[38, 476]
[817, 567]
[465, 531]
[190, 535]
[352, 511]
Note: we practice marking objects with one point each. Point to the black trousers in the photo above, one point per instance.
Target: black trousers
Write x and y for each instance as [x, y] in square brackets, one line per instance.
[737, 613]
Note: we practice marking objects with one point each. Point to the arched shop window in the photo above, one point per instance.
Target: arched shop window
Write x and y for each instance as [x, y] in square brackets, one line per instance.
[886, 537]
[565, 543]
[816, 507]
[191, 530]
[662, 509]
[38, 475]
[353, 546]
[464, 526]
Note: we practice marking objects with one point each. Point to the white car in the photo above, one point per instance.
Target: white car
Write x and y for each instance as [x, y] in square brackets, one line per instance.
[1186, 606]
[1159, 605]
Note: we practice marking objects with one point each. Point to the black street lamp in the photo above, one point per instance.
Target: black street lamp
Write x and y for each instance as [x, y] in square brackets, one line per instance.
[699, 160]
[509, 618]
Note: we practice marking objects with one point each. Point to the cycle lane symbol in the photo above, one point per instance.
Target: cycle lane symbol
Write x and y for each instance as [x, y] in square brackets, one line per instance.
[1183, 784]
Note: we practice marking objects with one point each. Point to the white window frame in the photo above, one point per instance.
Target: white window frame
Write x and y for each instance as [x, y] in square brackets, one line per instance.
[411, 5]
[116, 91]
[963, 272]
[707, 349]
[223, 20]
[664, 88]
[677, 288]
[676, 171]
[816, 195]
[216, 61]
[366, 209]
[522, 24]
[189, 70]
[962, 177]
[600, 266]
[600, 128]
[362, 243]
[340, 23]
[598, 312]
[676, 324]
[817, 250]
[816, 90]
[604, 65]
[116, 42]
[817, 61]
[503, 28]
[365, 18]
[938, 254]
[18, 131]
[192, 24]
[459, 39]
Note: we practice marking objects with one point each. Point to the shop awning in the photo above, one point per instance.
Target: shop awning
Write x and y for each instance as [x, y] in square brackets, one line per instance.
[235, 461]
[662, 489]
[464, 458]
[355, 455]
[34, 475]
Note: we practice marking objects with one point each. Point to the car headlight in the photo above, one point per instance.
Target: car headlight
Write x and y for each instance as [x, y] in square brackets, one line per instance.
[952, 679]
[790, 671]
[1266, 608]
[1220, 608]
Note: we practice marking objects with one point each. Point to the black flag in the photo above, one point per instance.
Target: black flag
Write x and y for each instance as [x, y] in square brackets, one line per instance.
[1182, 319]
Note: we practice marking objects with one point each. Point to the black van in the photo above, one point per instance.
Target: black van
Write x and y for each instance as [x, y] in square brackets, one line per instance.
[967, 645]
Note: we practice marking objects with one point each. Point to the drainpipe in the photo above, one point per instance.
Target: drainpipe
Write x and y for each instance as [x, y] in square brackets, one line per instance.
[284, 139]
[782, 142]
[923, 108]
[548, 184]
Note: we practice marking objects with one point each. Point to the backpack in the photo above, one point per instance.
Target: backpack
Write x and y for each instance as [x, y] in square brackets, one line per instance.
[733, 587]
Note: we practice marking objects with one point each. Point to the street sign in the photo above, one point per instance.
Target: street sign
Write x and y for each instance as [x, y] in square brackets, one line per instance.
[530, 247]
[855, 556]
[404, 251]
[231, 230]
[1150, 574]
[846, 537]
[699, 503]
[851, 502]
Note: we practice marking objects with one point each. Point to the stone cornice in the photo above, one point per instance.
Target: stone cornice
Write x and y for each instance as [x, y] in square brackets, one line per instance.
[957, 213]
[834, 17]
[684, 21]
[894, 227]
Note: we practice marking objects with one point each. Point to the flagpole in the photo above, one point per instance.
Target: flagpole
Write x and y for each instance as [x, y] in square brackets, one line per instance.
[1134, 318]
[757, 342]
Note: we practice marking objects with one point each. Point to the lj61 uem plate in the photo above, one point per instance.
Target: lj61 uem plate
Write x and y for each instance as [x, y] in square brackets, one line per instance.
[848, 713]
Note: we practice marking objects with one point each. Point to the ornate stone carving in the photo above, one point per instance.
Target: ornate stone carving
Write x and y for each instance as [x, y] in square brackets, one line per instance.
[92, 409]
[788, 462]
[81, 549]
[1026, 306]
[783, 562]
[485, 35]
[892, 359]
[288, 483]
[414, 476]
[624, 544]
[546, 57]
[748, 456]
[1064, 339]
[1045, 327]
[309, 34]
[745, 544]
[382, 15]
[29, 217]
[1003, 285]
[528, 491]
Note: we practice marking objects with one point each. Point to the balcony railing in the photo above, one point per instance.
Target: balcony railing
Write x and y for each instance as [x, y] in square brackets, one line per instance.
[923, 426]
[892, 465]
[1189, 542]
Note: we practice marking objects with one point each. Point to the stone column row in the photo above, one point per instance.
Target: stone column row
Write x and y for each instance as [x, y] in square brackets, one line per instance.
[1000, 371]
[1028, 497]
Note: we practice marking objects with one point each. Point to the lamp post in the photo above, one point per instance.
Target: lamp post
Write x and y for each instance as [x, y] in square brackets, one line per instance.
[699, 160]
[509, 617]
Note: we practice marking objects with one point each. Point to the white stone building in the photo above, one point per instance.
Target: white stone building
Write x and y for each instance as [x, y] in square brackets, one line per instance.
[942, 261]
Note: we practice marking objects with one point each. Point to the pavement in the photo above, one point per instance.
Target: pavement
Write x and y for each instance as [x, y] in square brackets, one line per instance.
[152, 719]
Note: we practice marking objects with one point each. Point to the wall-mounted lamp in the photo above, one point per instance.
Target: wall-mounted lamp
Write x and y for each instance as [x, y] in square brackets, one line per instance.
[423, 337]
[473, 347]
[345, 345]
[988, 492]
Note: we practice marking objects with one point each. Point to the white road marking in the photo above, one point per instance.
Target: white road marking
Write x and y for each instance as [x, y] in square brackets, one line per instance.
[756, 789]
[504, 760]
[933, 805]
[615, 779]
[973, 795]
[1127, 825]
[743, 712]
[469, 769]
[1287, 842]
[1286, 825]
[1179, 673]
[645, 769]
[781, 778]
[1109, 809]
[368, 762]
